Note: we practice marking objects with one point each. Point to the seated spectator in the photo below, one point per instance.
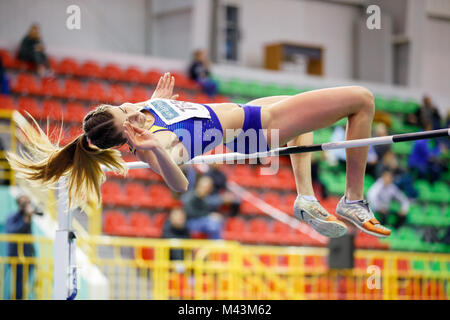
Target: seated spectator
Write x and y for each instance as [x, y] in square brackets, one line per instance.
[380, 195]
[20, 223]
[199, 72]
[425, 159]
[220, 196]
[200, 216]
[427, 114]
[402, 178]
[175, 228]
[4, 81]
[32, 50]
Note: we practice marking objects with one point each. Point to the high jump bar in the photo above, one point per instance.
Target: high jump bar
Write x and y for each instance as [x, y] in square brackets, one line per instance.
[234, 156]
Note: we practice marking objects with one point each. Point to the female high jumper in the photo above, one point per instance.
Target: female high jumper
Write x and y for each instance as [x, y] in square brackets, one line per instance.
[165, 133]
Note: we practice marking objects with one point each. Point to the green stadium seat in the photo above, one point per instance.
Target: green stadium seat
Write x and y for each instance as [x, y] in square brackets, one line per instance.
[416, 215]
[433, 216]
[411, 106]
[440, 192]
[233, 87]
[290, 91]
[396, 105]
[402, 148]
[424, 190]
[381, 104]
[256, 90]
[273, 90]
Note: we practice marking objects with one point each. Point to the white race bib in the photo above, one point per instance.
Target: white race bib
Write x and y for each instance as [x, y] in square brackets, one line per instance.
[173, 111]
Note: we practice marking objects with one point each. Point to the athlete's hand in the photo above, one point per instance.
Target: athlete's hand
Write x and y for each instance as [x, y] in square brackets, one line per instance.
[164, 88]
[140, 138]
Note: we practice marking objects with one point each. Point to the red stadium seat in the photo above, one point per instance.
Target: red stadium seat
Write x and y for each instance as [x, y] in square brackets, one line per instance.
[50, 87]
[26, 84]
[139, 94]
[29, 105]
[112, 72]
[247, 207]
[152, 77]
[115, 223]
[117, 94]
[9, 60]
[95, 91]
[142, 225]
[132, 74]
[272, 198]
[202, 98]
[139, 174]
[90, 69]
[137, 195]
[52, 109]
[184, 96]
[182, 81]
[67, 66]
[161, 196]
[159, 219]
[74, 112]
[73, 89]
[54, 132]
[287, 203]
[234, 228]
[258, 231]
[221, 99]
[280, 233]
[244, 175]
[6, 102]
[113, 194]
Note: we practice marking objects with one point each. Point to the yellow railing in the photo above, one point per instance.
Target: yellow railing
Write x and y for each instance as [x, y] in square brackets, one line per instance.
[143, 269]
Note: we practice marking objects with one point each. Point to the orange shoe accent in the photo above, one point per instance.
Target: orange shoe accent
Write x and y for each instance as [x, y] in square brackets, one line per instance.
[334, 219]
[370, 225]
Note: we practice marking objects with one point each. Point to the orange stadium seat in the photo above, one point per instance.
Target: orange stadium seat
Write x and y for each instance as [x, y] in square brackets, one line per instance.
[90, 69]
[234, 228]
[52, 109]
[138, 94]
[132, 74]
[67, 66]
[29, 105]
[74, 112]
[26, 84]
[7, 102]
[50, 87]
[117, 94]
[112, 72]
[115, 223]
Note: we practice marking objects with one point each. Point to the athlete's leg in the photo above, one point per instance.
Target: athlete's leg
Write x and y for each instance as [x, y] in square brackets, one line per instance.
[321, 108]
[306, 206]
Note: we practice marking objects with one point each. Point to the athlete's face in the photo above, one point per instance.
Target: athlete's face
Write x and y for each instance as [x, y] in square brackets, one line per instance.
[130, 113]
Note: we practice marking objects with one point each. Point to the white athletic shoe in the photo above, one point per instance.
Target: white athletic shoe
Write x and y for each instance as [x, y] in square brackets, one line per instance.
[311, 212]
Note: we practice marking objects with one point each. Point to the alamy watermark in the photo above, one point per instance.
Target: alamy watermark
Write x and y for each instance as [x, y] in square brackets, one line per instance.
[73, 21]
[373, 22]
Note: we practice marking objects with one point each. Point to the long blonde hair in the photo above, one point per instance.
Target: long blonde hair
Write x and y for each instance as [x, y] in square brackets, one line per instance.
[44, 163]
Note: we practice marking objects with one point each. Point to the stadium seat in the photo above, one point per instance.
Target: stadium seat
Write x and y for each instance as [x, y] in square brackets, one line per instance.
[9, 60]
[138, 94]
[74, 112]
[280, 233]
[52, 109]
[70, 134]
[90, 69]
[132, 74]
[112, 194]
[201, 98]
[234, 228]
[50, 87]
[7, 102]
[287, 203]
[151, 77]
[257, 232]
[26, 84]
[112, 72]
[115, 223]
[142, 225]
[247, 207]
[182, 81]
[117, 94]
[67, 66]
[29, 105]
[96, 91]
[137, 195]
[139, 174]
[73, 89]
[161, 196]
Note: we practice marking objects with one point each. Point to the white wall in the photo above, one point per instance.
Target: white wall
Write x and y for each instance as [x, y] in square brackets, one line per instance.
[305, 22]
[105, 25]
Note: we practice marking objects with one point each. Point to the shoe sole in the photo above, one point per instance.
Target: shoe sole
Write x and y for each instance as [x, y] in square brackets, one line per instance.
[361, 227]
[329, 229]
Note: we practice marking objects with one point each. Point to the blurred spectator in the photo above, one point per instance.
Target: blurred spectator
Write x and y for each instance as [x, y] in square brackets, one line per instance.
[380, 195]
[3, 169]
[381, 131]
[4, 81]
[337, 154]
[427, 114]
[200, 216]
[199, 71]
[20, 223]
[175, 228]
[32, 50]
[425, 158]
[220, 196]
[402, 178]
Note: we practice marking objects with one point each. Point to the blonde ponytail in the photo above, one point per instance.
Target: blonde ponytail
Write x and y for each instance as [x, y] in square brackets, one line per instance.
[44, 163]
